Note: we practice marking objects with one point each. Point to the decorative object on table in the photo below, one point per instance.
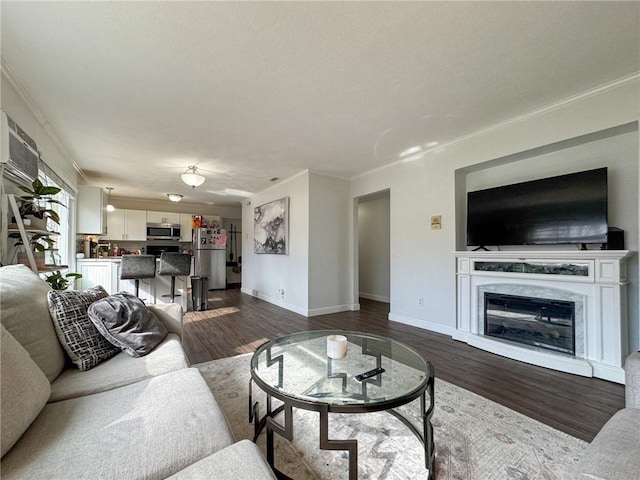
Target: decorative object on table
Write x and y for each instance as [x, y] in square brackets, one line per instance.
[192, 177]
[58, 281]
[336, 346]
[271, 227]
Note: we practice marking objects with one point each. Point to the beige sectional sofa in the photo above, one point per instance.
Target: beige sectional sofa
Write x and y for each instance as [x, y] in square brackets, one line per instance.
[148, 418]
[614, 454]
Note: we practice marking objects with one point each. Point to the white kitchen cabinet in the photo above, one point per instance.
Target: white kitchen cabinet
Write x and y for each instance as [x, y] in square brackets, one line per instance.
[97, 273]
[163, 217]
[185, 227]
[92, 210]
[123, 224]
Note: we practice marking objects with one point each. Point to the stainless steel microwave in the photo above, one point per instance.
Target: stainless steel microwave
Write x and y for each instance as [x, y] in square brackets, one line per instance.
[163, 231]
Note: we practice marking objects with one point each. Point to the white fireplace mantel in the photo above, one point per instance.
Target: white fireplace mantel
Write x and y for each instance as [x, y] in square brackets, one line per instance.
[595, 279]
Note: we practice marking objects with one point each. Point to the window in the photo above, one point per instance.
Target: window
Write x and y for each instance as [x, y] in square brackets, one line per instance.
[61, 250]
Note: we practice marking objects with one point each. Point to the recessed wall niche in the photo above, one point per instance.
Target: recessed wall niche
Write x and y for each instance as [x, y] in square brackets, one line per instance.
[615, 148]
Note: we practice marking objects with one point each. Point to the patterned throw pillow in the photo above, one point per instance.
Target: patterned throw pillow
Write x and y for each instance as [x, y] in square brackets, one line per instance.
[81, 340]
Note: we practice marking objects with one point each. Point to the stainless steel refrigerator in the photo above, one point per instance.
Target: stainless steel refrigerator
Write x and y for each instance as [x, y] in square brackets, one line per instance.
[210, 253]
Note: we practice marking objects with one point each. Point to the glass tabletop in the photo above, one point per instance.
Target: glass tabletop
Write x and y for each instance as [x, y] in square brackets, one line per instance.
[297, 367]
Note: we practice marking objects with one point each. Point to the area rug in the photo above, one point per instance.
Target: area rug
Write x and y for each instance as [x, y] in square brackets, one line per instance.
[475, 438]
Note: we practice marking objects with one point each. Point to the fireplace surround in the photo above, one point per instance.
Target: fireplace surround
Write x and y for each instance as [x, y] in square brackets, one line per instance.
[593, 281]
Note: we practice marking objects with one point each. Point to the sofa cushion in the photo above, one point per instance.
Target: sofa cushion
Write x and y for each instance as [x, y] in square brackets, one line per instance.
[613, 453]
[84, 344]
[25, 314]
[147, 430]
[126, 322]
[241, 460]
[120, 370]
[632, 380]
[170, 314]
[24, 388]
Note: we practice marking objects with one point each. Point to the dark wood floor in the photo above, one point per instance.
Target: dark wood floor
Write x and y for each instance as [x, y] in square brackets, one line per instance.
[237, 323]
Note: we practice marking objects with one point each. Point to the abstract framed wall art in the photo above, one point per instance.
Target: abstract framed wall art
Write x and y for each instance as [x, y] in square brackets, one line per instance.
[271, 227]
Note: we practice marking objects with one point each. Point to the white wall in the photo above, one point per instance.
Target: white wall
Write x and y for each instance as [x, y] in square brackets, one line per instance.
[374, 244]
[329, 261]
[264, 274]
[422, 263]
[315, 275]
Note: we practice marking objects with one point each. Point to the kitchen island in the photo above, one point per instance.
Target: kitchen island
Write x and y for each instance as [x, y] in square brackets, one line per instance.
[106, 272]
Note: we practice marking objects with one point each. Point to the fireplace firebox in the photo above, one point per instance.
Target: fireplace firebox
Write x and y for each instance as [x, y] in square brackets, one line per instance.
[539, 322]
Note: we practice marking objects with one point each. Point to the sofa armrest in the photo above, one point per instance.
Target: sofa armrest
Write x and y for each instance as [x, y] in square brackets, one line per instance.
[632, 380]
[170, 314]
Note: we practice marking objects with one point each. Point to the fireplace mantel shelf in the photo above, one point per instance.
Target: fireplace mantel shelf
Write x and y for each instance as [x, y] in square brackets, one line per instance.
[595, 279]
[548, 255]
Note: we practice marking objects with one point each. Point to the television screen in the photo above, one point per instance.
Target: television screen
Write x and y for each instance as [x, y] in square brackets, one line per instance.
[565, 209]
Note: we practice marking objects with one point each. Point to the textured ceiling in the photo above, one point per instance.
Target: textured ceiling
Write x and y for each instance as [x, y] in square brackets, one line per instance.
[137, 91]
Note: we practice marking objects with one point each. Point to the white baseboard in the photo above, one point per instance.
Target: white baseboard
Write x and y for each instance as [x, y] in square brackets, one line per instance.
[333, 309]
[608, 372]
[275, 301]
[416, 322]
[377, 298]
[299, 310]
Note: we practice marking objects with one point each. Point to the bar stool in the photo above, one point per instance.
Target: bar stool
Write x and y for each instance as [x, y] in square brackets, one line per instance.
[135, 267]
[176, 265]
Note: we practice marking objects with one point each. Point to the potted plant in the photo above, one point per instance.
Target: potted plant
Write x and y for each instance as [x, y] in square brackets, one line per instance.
[59, 281]
[33, 206]
[38, 242]
[35, 209]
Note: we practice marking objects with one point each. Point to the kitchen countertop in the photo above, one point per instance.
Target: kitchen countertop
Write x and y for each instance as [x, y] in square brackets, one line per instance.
[103, 259]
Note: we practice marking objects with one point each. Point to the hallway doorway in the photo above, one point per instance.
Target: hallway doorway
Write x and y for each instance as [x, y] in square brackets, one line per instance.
[374, 247]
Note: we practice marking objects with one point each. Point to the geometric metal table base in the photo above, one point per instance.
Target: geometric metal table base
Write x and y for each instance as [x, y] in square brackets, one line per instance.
[286, 430]
[329, 386]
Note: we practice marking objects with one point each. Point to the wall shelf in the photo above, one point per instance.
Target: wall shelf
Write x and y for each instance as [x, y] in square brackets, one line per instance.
[10, 206]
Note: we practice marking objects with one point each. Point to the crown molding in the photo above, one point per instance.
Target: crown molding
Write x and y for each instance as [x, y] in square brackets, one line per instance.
[621, 82]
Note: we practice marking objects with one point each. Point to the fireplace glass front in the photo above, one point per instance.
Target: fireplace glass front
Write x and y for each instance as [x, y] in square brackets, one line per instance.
[539, 322]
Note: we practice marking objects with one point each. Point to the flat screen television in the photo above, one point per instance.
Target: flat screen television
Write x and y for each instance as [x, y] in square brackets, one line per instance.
[558, 210]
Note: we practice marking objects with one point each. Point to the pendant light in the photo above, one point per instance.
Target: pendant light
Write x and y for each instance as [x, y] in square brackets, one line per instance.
[110, 208]
[191, 177]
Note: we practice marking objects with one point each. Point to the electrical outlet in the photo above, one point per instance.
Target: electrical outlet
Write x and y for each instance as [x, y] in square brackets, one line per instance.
[421, 302]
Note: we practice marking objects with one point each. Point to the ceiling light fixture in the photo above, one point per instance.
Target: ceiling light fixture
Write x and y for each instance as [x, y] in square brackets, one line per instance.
[174, 197]
[110, 208]
[191, 177]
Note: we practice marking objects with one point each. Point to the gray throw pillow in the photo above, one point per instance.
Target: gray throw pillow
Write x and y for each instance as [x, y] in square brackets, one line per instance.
[83, 343]
[127, 323]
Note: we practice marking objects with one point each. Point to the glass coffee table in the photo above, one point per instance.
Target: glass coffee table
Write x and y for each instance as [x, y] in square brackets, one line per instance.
[296, 370]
